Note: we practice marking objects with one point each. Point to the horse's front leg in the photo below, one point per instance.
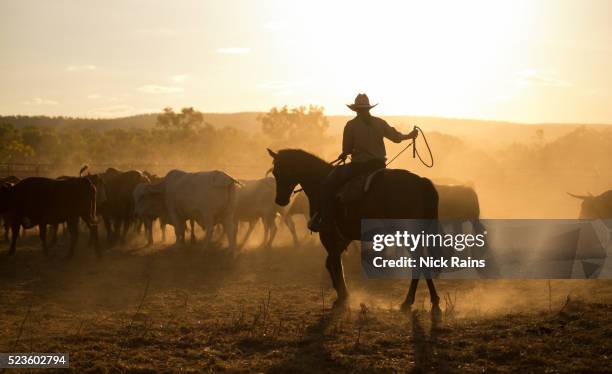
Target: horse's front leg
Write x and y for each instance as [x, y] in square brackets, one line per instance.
[334, 266]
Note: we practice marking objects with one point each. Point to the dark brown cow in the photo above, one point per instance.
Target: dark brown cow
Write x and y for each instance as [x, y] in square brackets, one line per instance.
[43, 201]
[459, 203]
[118, 209]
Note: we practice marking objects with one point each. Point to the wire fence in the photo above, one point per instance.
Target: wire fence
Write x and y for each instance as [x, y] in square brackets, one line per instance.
[24, 170]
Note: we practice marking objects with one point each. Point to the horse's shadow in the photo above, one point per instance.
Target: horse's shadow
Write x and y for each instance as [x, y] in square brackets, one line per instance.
[313, 354]
[427, 350]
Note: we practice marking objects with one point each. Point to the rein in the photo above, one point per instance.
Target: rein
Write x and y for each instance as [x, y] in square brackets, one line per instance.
[337, 161]
[415, 154]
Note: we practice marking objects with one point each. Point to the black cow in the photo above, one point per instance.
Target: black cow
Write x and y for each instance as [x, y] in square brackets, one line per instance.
[4, 217]
[43, 201]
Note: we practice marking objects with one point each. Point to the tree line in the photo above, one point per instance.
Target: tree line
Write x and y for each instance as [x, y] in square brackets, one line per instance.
[175, 137]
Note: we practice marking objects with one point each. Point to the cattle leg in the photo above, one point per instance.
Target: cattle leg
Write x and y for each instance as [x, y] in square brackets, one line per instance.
[116, 230]
[7, 228]
[93, 235]
[42, 232]
[291, 225]
[209, 226]
[148, 229]
[266, 233]
[230, 230]
[273, 230]
[248, 233]
[126, 226]
[179, 231]
[15, 227]
[138, 226]
[192, 227]
[73, 229]
[162, 227]
[109, 231]
[54, 233]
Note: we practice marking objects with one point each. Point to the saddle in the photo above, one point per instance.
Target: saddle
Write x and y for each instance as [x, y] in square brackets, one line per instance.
[356, 188]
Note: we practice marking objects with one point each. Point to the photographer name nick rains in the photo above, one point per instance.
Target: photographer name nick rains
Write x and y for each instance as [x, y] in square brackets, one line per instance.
[428, 262]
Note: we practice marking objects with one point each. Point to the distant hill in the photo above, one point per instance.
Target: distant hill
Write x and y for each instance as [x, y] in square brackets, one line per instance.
[474, 131]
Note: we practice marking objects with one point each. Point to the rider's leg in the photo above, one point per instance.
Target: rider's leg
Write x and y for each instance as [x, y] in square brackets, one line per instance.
[330, 184]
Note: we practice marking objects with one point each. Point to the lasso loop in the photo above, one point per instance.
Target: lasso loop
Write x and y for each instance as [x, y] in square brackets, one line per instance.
[415, 150]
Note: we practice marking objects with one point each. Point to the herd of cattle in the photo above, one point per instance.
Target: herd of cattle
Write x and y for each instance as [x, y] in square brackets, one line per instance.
[212, 198]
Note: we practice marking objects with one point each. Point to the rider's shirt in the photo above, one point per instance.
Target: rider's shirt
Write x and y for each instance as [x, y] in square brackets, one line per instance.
[363, 140]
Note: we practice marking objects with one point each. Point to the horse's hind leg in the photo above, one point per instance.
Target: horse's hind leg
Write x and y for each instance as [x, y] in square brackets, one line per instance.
[407, 304]
[433, 295]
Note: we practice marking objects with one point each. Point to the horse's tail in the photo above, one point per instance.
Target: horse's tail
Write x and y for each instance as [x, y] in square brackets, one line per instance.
[430, 196]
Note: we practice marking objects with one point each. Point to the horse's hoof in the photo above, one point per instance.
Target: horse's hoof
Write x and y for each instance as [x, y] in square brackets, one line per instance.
[340, 304]
[406, 307]
[435, 309]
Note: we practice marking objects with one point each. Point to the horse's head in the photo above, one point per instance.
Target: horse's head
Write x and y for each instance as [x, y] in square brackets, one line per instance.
[285, 180]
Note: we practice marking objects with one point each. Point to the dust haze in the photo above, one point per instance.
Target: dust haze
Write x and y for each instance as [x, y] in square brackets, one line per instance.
[172, 307]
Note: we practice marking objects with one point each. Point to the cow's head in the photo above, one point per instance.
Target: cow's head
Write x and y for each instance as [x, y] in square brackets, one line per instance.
[5, 196]
[285, 181]
[589, 208]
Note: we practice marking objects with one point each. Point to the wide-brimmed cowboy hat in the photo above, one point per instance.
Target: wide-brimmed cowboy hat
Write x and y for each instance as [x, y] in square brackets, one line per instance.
[361, 101]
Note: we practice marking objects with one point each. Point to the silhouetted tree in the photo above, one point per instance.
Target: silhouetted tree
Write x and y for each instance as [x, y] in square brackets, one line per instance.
[295, 123]
[187, 119]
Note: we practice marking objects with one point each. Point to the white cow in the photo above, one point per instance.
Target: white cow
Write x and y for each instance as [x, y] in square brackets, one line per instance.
[207, 197]
[255, 201]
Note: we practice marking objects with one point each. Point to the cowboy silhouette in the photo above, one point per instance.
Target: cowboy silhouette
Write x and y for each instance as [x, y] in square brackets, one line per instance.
[363, 140]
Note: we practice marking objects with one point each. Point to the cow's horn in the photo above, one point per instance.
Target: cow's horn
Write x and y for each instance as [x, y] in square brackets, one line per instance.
[581, 197]
[85, 167]
[269, 171]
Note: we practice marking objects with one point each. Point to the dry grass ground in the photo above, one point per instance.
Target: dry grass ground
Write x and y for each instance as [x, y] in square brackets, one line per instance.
[169, 309]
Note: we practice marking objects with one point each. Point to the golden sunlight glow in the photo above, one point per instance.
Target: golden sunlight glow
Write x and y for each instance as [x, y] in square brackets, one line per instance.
[529, 61]
[428, 57]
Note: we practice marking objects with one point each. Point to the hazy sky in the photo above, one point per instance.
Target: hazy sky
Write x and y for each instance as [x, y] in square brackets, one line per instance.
[528, 61]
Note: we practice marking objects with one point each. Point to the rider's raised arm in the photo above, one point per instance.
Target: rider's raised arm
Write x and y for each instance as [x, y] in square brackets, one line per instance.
[391, 133]
[395, 136]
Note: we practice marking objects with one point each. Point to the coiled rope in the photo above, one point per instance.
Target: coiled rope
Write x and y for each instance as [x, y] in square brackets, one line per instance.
[415, 151]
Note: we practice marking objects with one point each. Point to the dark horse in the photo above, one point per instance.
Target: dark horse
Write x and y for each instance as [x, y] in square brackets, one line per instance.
[393, 194]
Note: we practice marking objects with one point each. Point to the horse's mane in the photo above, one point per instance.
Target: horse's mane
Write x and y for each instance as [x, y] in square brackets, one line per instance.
[305, 159]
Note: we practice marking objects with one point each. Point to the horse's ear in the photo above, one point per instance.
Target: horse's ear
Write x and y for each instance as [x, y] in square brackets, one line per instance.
[272, 153]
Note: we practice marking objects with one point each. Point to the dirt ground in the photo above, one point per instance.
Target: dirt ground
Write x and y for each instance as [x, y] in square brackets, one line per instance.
[170, 309]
